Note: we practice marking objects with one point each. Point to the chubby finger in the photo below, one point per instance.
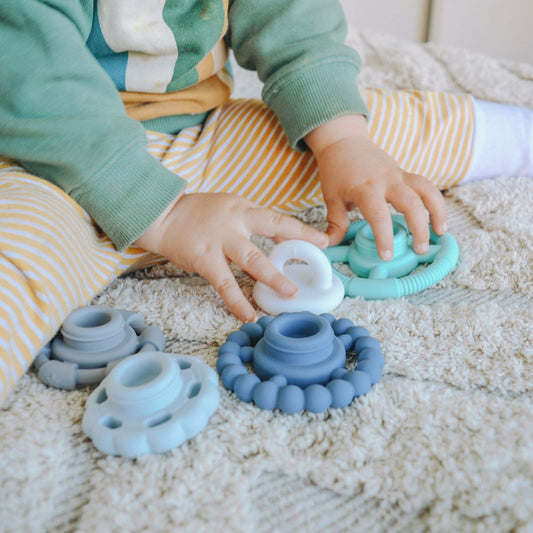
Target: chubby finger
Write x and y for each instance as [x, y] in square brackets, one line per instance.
[338, 221]
[248, 257]
[407, 201]
[375, 211]
[268, 223]
[432, 199]
[218, 273]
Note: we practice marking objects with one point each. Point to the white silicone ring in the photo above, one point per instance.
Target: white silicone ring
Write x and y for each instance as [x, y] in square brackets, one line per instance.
[320, 291]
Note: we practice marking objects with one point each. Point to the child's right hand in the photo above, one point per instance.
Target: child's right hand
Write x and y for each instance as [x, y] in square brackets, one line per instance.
[354, 171]
[203, 232]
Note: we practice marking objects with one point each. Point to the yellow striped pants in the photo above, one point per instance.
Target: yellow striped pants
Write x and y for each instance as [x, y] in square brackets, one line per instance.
[53, 259]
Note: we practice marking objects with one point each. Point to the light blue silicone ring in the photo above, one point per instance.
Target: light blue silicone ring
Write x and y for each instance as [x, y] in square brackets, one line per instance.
[377, 279]
[150, 402]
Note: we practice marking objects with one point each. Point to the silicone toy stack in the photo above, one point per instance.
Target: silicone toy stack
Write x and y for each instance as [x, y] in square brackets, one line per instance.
[320, 291]
[299, 361]
[91, 340]
[150, 403]
[391, 279]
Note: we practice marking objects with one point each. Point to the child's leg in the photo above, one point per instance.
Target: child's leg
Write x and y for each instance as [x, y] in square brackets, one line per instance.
[242, 148]
[427, 133]
[503, 141]
[52, 261]
[451, 138]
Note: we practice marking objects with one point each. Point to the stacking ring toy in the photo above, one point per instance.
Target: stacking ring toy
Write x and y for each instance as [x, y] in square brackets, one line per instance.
[319, 290]
[380, 279]
[150, 403]
[91, 340]
[299, 362]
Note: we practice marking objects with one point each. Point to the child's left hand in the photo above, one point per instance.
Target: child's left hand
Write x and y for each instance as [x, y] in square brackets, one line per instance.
[354, 171]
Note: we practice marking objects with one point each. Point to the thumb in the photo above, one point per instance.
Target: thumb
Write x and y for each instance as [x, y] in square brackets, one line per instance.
[338, 222]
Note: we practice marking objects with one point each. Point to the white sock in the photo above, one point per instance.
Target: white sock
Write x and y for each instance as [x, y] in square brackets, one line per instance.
[503, 141]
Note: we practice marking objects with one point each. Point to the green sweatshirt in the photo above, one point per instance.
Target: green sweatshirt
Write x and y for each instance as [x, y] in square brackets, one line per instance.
[82, 79]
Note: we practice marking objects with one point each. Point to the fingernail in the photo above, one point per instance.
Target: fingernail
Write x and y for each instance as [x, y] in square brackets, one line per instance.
[289, 290]
[443, 228]
[387, 255]
[422, 248]
[324, 241]
[250, 317]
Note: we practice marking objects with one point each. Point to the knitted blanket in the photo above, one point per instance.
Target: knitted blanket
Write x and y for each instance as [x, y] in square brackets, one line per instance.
[444, 442]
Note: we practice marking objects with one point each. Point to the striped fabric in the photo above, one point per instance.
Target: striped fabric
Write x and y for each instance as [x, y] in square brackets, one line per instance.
[53, 259]
[136, 60]
[144, 64]
[428, 133]
[242, 149]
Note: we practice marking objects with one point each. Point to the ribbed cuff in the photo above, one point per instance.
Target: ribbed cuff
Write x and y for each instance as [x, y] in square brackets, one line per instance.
[314, 96]
[129, 194]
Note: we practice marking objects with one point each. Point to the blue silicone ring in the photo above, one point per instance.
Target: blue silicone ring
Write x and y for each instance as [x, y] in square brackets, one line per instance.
[299, 361]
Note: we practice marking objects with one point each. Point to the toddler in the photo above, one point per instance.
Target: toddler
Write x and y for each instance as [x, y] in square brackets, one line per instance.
[119, 140]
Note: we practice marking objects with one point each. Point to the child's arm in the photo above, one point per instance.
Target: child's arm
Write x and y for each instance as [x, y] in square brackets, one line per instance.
[62, 118]
[297, 48]
[356, 172]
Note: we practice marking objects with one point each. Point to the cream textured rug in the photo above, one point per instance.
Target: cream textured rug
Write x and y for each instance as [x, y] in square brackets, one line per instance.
[443, 443]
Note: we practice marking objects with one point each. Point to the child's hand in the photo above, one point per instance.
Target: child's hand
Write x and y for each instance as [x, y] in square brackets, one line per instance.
[356, 172]
[202, 233]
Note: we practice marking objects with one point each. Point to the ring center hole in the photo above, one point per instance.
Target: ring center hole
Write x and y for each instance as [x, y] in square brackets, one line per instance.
[93, 320]
[140, 373]
[299, 329]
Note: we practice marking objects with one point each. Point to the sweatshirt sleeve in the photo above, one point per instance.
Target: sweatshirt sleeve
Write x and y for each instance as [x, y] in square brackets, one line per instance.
[297, 48]
[61, 117]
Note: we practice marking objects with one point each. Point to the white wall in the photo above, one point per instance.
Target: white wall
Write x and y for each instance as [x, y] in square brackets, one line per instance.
[500, 28]
[406, 19]
[496, 27]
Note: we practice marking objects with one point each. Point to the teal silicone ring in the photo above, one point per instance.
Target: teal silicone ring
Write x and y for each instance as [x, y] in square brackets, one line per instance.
[377, 279]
